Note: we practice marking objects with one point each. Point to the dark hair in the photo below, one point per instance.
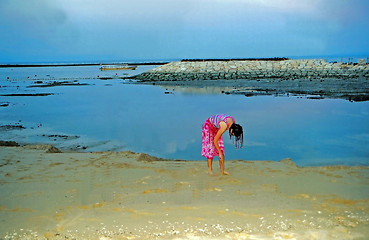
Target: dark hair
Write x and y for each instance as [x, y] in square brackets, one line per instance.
[238, 134]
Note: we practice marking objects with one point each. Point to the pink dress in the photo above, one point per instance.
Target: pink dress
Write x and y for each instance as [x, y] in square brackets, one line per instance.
[209, 130]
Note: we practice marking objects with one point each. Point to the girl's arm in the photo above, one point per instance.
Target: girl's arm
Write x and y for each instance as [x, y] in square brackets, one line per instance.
[222, 129]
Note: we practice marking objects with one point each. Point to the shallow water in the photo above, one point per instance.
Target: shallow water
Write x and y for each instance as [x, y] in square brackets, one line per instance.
[113, 115]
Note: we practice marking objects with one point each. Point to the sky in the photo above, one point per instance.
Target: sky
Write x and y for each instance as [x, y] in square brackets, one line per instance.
[33, 31]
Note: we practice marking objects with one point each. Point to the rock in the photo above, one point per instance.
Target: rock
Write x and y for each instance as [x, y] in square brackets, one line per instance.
[53, 149]
[361, 61]
[11, 127]
[290, 75]
[4, 104]
[47, 147]
[9, 143]
[289, 162]
[250, 69]
[143, 157]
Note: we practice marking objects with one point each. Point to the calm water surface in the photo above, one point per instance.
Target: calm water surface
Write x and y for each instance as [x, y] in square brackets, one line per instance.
[111, 115]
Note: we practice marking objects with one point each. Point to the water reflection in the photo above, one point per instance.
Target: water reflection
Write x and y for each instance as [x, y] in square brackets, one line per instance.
[113, 115]
[170, 89]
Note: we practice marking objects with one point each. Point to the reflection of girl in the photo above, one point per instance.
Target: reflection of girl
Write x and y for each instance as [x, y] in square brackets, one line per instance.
[212, 141]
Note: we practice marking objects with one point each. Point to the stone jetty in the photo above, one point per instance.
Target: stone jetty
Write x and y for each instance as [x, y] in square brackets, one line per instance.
[315, 77]
[231, 70]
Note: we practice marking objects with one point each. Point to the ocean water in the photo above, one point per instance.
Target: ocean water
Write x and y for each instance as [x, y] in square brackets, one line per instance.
[114, 115]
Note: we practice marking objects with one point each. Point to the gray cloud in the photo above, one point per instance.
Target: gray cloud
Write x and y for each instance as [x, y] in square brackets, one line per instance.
[115, 29]
[34, 17]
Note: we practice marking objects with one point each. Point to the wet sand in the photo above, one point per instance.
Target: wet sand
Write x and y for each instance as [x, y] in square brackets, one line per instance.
[125, 195]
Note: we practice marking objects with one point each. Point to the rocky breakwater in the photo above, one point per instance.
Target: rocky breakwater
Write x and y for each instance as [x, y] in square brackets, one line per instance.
[223, 70]
[313, 76]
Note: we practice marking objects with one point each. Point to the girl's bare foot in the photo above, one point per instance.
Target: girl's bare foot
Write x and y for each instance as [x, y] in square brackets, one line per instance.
[225, 173]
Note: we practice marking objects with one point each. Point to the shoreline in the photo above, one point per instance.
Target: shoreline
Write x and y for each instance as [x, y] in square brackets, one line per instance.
[51, 147]
[126, 195]
[80, 64]
[145, 157]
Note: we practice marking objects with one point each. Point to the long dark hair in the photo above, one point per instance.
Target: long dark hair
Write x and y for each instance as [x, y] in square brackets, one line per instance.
[238, 135]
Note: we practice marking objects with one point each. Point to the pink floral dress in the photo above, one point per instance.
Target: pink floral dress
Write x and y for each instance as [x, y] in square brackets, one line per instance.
[209, 130]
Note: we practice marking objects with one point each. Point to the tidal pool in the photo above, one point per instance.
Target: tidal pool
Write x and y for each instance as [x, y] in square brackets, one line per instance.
[113, 115]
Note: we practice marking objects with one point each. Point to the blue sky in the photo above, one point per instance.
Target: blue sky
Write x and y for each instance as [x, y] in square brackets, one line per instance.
[118, 30]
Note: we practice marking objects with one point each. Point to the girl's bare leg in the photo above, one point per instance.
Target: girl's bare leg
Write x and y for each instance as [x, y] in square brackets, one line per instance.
[221, 164]
[210, 166]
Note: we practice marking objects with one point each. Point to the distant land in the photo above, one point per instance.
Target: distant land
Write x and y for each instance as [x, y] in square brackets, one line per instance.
[142, 62]
[77, 64]
[138, 63]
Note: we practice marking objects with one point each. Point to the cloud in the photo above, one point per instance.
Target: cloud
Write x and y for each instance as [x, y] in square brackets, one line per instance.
[275, 6]
[288, 5]
[123, 13]
[35, 30]
[181, 28]
[36, 17]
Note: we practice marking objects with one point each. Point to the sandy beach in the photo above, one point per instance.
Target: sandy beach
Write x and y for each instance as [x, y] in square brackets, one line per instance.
[126, 195]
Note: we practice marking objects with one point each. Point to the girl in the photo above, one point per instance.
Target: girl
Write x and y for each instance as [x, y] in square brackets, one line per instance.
[212, 140]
